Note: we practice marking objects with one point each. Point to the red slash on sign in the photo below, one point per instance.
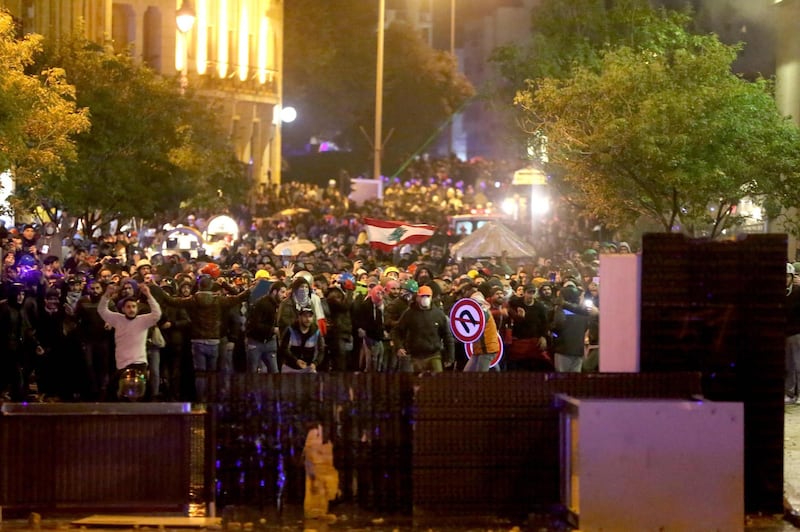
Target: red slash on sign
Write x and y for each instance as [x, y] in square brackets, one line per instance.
[467, 320]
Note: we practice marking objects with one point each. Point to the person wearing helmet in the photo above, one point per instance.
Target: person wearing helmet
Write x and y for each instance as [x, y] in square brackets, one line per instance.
[347, 281]
[392, 272]
[302, 346]
[143, 268]
[792, 382]
[422, 336]
[409, 289]
[396, 300]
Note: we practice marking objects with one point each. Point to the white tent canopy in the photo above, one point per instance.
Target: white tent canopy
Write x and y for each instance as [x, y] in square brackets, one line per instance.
[491, 240]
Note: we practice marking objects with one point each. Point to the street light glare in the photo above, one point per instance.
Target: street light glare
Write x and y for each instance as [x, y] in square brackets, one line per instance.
[288, 114]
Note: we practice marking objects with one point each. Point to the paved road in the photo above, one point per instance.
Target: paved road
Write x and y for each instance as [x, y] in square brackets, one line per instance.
[791, 458]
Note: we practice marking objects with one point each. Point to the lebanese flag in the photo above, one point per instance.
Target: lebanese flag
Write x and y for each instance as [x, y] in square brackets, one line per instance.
[386, 235]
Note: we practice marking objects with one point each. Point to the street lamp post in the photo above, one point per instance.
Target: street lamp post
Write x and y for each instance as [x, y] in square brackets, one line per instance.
[453, 28]
[184, 19]
[451, 129]
[378, 141]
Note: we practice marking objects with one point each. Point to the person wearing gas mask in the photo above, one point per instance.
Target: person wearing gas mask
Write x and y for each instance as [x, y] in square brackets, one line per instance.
[422, 336]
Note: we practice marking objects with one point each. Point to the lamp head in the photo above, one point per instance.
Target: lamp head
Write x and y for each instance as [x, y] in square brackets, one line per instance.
[185, 16]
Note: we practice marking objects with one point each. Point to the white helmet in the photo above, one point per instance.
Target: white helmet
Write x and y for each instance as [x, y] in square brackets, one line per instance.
[789, 268]
[307, 276]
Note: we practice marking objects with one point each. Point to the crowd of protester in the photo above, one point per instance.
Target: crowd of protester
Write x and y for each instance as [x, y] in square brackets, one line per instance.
[344, 306]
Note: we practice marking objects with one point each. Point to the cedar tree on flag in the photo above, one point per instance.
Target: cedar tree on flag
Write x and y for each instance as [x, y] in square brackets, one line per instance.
[385, 235]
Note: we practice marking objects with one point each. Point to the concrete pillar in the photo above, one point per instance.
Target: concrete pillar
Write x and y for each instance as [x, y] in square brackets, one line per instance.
[787, 81]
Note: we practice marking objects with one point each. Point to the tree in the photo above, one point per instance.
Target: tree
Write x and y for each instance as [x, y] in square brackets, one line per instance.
[330, 66]
[577, 33]
[639, 117]
[148, 150]
[38, 112]
[672, 136]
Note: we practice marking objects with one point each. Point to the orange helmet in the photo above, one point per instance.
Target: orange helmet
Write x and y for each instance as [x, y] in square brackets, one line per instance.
[211, 269]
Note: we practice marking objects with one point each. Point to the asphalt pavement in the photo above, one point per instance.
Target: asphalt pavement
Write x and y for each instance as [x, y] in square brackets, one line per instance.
[791, 462]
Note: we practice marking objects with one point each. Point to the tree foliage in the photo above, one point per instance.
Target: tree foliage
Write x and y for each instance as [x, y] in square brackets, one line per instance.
[330, 67]
[38, 111]
[148, 150]
[653, 123]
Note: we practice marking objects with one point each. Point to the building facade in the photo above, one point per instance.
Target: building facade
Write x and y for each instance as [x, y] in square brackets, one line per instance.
[231, 56]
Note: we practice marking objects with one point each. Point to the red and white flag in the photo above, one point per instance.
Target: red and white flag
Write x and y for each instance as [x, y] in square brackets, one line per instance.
[386, 235]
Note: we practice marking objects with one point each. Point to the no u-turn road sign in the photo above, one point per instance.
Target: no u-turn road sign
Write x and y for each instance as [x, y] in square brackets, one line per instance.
[467, 320]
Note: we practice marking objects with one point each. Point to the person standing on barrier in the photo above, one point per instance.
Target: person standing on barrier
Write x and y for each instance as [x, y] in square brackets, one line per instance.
[130, 328]
[422, 336]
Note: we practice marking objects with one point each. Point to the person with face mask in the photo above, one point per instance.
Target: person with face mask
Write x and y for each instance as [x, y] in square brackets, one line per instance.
[298, 297]
[301, 294]
[368, 328]
[422, 336]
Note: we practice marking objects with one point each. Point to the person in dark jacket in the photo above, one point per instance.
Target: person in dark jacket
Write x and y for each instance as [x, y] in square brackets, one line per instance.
[206, 309]
[530, 330]
[368, 328]
[262, 330]
[569, 331]
[302, 346]
[97, 341]
[422, 336]
[340, 331]
[15, 330]
[175, 325]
